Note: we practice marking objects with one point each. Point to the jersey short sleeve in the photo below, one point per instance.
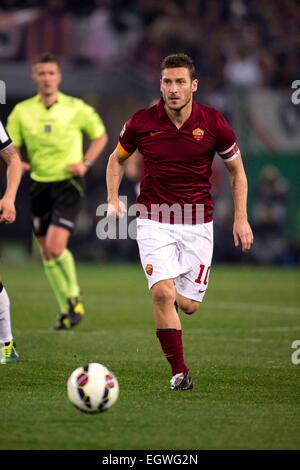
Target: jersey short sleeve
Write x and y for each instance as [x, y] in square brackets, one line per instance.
[128, 139]
[226, 139]
[91, 122]
[14, 127]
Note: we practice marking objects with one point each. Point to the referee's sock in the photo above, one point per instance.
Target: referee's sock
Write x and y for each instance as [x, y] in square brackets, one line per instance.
[67, 265]
[171, 343]
[58, 283]
[5, 323]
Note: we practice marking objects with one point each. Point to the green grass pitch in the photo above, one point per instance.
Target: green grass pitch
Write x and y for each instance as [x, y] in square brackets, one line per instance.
[238, 347]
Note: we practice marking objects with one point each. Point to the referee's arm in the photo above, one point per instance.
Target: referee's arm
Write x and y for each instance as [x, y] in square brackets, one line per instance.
[94, 150]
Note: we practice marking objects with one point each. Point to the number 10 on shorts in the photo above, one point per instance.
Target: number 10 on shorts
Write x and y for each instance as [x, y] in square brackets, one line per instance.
[203, 274]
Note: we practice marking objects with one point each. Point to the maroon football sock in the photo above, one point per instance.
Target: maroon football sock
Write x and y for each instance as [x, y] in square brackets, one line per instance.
[171, 344]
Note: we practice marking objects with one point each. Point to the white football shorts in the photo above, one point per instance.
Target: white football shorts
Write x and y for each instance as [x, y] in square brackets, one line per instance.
[179, 252]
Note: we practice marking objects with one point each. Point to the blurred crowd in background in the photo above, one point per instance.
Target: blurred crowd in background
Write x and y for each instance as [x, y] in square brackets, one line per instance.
[239, 47]
[244, 42]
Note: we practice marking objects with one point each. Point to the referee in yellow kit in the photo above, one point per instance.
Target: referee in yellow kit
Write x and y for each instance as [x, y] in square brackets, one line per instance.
[51, 125]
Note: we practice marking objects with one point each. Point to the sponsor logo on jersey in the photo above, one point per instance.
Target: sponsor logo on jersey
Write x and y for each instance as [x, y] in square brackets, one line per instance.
[152, 134]
[47, 128]
[198, 133]
[149, 269]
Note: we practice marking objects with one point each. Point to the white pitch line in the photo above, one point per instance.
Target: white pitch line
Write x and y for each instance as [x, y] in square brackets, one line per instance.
[279, 329]
[264, 308]
[204, 333]
[139, 334]
[63, 334]
[238, 330]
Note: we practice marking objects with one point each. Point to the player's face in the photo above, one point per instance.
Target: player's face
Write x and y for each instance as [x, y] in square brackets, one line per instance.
[47, 77]
[177, 87]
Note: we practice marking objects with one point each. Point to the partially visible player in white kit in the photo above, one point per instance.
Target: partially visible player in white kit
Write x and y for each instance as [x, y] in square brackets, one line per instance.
[9, 154]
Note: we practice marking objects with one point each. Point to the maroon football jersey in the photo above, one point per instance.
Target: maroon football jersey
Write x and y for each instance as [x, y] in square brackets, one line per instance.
[177, 162]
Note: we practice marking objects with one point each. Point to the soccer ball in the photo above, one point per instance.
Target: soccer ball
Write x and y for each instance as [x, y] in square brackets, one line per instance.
[92, 388]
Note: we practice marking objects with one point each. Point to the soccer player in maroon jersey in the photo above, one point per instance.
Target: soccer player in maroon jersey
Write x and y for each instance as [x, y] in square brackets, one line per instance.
[178, 139]
[9, 154]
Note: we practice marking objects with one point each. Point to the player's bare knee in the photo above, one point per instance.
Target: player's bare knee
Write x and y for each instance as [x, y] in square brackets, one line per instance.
[190, 307]
[44, 253]
[163, 293]
[57, 252]
[54, 251]
[42, 246]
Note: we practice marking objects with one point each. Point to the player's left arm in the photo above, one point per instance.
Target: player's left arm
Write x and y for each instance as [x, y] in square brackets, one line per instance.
[14, 174]
[242, 232]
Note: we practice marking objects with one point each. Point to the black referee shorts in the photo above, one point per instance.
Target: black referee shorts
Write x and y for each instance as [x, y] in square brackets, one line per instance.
[56, 203]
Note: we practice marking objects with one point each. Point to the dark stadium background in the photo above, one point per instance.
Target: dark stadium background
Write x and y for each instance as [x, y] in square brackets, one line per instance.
[247, 56]
[239, 347]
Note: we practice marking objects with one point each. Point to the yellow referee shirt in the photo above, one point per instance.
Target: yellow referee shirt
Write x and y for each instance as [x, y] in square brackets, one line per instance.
[53, 136]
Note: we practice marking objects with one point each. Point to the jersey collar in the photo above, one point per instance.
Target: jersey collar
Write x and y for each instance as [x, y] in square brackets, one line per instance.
[59, 99]
[163, 115]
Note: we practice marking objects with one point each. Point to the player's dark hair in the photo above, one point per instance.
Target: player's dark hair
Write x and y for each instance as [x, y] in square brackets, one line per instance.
[46, 58]
[173, 61]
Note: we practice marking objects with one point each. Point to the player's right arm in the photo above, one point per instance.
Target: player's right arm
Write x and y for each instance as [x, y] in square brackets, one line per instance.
[114, 175]
[14, 173]
[14, 128]
[128, 143]
[25, 166]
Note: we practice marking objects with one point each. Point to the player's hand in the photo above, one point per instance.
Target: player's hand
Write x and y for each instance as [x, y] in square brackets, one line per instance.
[25, 167]
[242, 234]
[77, 169]
[116, 209]
[7, 210]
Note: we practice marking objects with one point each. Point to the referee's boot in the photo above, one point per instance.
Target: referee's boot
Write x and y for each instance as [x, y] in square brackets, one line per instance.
[63, 322]
[8, 353]
[76, 310]
[182, 381]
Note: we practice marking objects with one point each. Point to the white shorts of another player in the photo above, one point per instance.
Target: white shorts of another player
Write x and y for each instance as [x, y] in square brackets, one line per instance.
[179, 252]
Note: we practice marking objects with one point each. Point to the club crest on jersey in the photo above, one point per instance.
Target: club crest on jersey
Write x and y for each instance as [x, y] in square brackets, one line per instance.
[47, 128]
[149, 269]
[198, 133]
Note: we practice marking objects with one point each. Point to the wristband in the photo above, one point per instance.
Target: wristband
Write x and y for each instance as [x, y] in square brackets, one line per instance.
[88, 163]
